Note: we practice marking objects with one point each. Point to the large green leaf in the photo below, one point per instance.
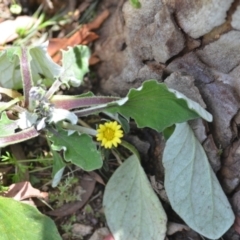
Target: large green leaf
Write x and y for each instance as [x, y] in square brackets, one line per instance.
[192, 187]
[154, 105]
[58, 168]
[75, 62]
[7, 126]
[40, 62]
[78, 149]
[132, 209]
[24, 222]
[10, 76]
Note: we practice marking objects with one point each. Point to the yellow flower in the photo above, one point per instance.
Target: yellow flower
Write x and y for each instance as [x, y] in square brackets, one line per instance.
[109, 134]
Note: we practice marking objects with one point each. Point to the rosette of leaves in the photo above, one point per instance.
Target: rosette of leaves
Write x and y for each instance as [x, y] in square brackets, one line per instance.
[134, 207]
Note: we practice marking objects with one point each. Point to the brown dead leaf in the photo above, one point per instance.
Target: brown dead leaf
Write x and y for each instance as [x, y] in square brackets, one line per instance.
[229, 172]
[94, 60]
[236, 225]
[3, 176]
[236, 203]
[213, 153]
[88, 184]
[83, 36]
[97, 177]
[24, 190]
[176, 227]
[8, 28]
[9, 92]
[158, 187]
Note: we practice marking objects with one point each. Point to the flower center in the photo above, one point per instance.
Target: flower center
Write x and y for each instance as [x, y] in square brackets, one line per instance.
[109, 134]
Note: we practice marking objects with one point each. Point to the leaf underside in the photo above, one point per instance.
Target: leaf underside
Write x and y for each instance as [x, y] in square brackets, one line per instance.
[192, 187]
[132, 209]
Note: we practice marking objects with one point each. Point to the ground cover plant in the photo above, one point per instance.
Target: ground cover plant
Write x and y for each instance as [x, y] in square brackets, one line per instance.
[132, 209]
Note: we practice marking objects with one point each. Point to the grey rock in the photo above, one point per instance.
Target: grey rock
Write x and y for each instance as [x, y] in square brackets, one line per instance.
[223, 54]
[236, 19]
[199, 17]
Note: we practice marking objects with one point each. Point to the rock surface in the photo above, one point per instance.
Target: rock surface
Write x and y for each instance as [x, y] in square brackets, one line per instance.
[223, 54]
[236, 19]
[197, 18]
[192, 46]
[143, 39]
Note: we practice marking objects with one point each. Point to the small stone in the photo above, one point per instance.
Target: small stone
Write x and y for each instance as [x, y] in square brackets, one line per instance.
[236, 19]
[100, 234]
[199, 17]
[81, 230]
[223, 54]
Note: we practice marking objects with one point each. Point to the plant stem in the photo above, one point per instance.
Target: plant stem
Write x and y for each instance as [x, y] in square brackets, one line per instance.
[117, 157]
[80, 129]
[80, 121]
[131, 148]
[40, 169]
[28, 160]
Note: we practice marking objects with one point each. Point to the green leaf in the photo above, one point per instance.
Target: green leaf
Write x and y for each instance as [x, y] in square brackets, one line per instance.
[9, 104]
[10, 76]
[192, 187]
[58, 168]
[7, 126]
[167, 132]
[75, 62]
[40, 62]
[135, 3]
[154, 105]
[24, 222]
[132, 209]
[78, 149]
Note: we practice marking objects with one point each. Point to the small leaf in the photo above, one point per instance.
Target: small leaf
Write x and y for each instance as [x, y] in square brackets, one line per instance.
[42, 64]
[135, 3]
[192, 187]
[62, 114]
[7, 126]
[58, 168]
[39, 60]
[78, 149]
[26, 119]
[22, 221]
[167, 132]
[10, 76]
[75, 62]
[154, 105]
[132, 209]
[9, 104]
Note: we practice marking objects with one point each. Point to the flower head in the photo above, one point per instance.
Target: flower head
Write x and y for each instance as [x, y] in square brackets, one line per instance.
[109, 134]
